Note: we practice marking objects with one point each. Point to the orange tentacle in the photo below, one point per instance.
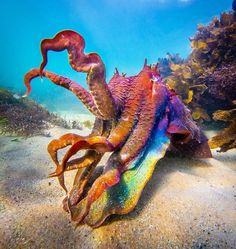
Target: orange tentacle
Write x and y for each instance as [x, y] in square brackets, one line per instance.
[78, 90]
[89, 63]
[62, 142]
[98, 143]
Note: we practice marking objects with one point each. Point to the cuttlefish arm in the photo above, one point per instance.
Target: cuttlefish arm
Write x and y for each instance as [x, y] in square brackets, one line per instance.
[123, 197]
[90, 63]
[138, 137]
[85, 97]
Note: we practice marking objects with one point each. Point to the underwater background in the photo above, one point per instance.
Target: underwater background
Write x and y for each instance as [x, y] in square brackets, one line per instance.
[186, 201]
[122, 32]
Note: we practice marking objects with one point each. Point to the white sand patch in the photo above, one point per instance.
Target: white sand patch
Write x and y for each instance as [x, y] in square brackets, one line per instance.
[70, 116]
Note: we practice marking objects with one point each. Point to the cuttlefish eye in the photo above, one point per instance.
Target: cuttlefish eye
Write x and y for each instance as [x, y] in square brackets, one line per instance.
[155, 79]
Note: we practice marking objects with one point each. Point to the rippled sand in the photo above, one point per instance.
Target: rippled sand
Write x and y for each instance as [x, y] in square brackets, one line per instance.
[186, 204]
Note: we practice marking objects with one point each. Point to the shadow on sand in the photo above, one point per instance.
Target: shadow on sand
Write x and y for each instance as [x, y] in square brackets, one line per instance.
[165, 167]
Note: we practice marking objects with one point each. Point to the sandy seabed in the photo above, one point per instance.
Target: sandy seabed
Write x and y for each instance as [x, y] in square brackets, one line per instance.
[187, 203]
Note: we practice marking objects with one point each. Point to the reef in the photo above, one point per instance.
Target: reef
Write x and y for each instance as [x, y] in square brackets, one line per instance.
[206, 80]
[138, 118]
[24, 117]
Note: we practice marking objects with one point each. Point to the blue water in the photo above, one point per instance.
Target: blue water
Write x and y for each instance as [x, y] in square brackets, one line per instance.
[122, 32]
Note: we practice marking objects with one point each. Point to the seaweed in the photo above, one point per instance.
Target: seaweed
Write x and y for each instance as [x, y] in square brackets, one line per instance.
[226, 139]
[164, 64]
[24, 117]
[186, 81]
[206, 80]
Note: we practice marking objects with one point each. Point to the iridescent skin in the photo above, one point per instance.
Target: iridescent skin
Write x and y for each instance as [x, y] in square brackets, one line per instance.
[137, 119]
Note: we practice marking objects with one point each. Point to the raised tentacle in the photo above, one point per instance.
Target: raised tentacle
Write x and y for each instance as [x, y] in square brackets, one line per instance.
[89, 63]
[78, 90]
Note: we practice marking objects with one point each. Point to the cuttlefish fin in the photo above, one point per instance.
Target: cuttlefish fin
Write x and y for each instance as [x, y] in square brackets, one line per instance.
[123, 197]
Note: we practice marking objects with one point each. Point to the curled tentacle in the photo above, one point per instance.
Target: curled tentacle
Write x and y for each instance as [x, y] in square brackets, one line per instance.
[69, 139]
[98, 143]
[91, 142]
[91, 157]
[89, 63]
[78, 90]
[62, 142]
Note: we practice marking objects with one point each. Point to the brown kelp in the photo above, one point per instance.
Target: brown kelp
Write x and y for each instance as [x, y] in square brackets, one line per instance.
[164, 64]
[206, 80]
[226, 139]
